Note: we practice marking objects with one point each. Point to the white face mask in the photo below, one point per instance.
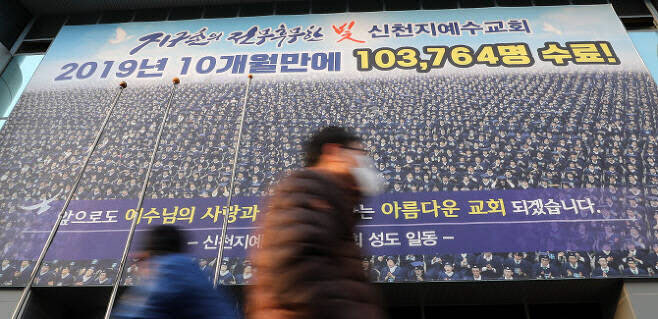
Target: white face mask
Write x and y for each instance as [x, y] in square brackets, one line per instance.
[367, 176]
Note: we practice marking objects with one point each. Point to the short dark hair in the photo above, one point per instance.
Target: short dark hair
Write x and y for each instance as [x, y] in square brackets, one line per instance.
[164, 239]
[327, 135]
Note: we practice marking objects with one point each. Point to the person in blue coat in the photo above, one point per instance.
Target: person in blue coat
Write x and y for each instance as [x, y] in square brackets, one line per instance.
[225, 275]
[508, 274]
[45, 276]
[573, 268]
[103, 279]
[449, 273]
[175, 287]
[246, 276]
[545, 269]
[604, 270]
[418, 274]
[490, 265]
[633, 270]
[22, 273]
[476, 274]
[392, 272]
[519, 266]
[65, 278]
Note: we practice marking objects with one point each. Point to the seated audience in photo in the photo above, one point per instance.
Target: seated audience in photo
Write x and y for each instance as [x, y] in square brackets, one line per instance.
[45, 277]
[475, 274]
[490, 265]
[103, 279]
[449, 273]
[418, 274]
[64, 278]
[603, 270]
[508, 274]
[391, 272]
[573, 268]
[521, 267]
[545, 269]
[245, 277]
[86, 279]
[633, 270]
[371, 273]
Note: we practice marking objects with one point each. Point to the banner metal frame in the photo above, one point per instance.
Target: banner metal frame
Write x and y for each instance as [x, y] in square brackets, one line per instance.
[140, 202]
[22, 301]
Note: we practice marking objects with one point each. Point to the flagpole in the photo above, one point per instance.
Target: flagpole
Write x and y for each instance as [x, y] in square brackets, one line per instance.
[28, 285]
[140, 202]
[222, 237]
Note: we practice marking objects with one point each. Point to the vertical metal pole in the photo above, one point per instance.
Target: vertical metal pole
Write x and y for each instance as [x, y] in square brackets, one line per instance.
[140, 201]
[37, 266]
[222, 237]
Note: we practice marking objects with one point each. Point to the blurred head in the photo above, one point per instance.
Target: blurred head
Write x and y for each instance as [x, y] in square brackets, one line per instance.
[508, 272]
[342, 153]
[102, 275]
[448, 267]
[390, 262]
[25, 263]
[163, 240]
[65, 270]
[89, 272]
[5, 262]
[333, 146]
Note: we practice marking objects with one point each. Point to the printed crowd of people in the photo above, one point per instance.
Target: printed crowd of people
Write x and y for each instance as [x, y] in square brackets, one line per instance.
[513, 266]
[426, 133]
[59, 273]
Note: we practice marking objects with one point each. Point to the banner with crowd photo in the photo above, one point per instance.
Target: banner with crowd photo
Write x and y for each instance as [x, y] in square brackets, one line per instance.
[516, 143]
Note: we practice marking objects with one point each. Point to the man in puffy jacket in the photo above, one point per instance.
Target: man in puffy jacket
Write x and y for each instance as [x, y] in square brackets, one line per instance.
[174, 286]
[309, 265]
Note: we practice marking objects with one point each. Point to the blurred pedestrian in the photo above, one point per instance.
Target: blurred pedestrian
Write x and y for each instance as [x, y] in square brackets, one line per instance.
[174, 286]
[309, 265]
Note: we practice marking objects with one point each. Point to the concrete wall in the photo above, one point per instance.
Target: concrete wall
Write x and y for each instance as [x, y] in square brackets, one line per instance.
[638, 300]
[8, 300]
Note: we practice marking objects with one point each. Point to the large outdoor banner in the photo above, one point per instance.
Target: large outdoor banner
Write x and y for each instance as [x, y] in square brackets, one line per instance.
[516, 143]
